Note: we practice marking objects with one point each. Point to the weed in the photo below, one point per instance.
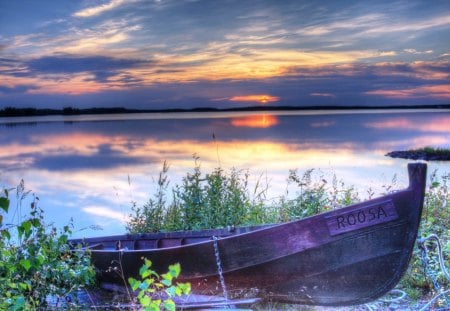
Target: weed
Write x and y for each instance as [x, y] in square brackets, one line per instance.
[156, 291]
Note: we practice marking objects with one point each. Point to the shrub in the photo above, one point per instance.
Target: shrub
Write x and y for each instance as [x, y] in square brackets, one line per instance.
[35, 260]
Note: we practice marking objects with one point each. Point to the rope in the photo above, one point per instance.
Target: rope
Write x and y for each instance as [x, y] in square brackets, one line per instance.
[376, 305]
[429, 271]
[219, 268]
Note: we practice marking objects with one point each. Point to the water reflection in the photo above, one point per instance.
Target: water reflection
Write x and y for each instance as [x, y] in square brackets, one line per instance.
[257, 121]
[91, 170]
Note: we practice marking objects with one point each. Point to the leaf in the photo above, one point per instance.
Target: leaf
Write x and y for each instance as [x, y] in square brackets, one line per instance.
[4, 204]
[23, 286]
[147, 262]
[434, 184]
[145, 301]
[169, 305]
[40, 259]
[5, 234]
[145, 273]
[26, 228]
[154, 305]
[171, 291]
[143, 286]
[19, 303]
[175, 270]
[25, 263]
[166, 282]
[133, 283]
[143, 270]
[185, 287]
[167, 276]
[35, 222]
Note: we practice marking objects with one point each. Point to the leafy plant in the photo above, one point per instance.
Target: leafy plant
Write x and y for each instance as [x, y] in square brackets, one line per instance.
[36, 261]
[155, 292]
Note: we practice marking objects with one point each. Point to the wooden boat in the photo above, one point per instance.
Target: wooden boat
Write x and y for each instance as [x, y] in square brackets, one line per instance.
[347, 256]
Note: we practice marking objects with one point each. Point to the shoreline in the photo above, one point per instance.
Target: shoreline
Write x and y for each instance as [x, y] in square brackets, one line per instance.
[70, 111]
[425, 154]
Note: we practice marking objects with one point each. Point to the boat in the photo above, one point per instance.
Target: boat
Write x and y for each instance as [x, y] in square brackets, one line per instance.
[346, 256]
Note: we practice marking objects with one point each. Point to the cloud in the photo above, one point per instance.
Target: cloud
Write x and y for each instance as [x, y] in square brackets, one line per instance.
[373, 24]
[360, 22]
[323, 94]
[102, 67]
[96, 10]
[16, 89]
[74, 64]
[259, 98]
[441, 91]
[414, 51]
[105, 212]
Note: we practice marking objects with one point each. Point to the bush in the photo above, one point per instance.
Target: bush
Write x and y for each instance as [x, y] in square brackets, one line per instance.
[35, 260]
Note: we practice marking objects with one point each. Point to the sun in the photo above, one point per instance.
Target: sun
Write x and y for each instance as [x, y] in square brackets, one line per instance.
[258, 98]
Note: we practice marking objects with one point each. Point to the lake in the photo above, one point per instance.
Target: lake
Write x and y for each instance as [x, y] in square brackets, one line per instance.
[91, 167]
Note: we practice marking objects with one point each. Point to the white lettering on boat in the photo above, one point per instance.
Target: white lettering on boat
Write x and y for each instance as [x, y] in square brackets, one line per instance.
[361, 217]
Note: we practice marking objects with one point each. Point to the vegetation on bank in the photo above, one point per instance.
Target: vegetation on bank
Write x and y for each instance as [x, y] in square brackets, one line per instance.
[426, 153]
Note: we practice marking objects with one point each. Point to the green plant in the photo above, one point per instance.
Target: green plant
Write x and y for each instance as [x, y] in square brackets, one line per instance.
[155, 292]
[150, 217]
[213, 200]
[36, 261]
[435, 220]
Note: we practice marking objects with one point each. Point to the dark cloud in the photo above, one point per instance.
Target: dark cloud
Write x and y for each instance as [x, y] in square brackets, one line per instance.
[102, 67]
[20, 89]
[76, 64]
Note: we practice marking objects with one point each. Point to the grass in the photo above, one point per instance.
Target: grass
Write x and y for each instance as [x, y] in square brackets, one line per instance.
[432, 150]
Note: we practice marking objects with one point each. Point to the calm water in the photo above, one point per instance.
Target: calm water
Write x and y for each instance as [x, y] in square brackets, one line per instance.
[91, 167]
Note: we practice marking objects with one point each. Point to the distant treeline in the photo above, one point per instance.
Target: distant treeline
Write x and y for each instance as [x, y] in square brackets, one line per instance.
[18, 112]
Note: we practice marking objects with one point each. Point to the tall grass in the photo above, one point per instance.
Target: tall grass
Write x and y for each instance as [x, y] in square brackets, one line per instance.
[224, 198]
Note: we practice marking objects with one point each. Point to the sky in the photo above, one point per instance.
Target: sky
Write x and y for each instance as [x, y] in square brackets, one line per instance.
[157, 54]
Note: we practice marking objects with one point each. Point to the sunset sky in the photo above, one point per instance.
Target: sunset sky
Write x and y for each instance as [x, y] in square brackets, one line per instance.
[156, 54]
